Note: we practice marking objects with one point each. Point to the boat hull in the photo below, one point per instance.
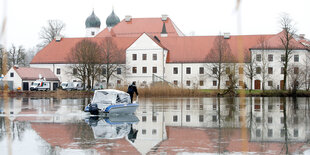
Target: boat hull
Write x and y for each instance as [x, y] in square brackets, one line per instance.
[121, 109]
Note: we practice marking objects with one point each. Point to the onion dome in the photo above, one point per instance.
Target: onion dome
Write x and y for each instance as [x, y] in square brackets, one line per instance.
[112, 20]
[92, 21]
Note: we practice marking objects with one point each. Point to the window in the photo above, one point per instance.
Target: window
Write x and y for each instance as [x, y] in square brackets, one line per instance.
[188, 118]
[201, 70]
[154, 131]
[295, 132]
[282, 70]
[175, 118]
[188, 83]
[282, 120]
[214, 70]
[295, 120]
[119, 71]
[227, 83]
[200, 118]
[200, 106]
[154, 69]
[143, 131]
[282, 132]
[227, 70]
[143, 118]
[175, 70]
[118, 82]
[240, 70]
[74, 71]
[214, 118]
[144, 70]
[270, 57]
[92, 33]
[188, 70]
[296, 58]
[188, 106]
[58, 71]
[201, 83]
[270, 133]
[104, 71]
[154, 56]
[214, 83]
[258, 120]
[270, 83]
[269, 120]
[282, 57]
[154, 119]
[270, 70]
[296, 70]
[134, 56]
[270, 107]
[175, 82]
[258, 57]
[11, 74]
[258, 133]
[143, 56]
[134, 69]
[258, 70]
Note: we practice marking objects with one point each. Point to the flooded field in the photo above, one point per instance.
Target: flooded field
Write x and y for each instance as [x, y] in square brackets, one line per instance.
[160, 126]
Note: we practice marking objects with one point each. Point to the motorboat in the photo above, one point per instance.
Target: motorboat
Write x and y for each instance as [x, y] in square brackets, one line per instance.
[113, 127]
[111, 101]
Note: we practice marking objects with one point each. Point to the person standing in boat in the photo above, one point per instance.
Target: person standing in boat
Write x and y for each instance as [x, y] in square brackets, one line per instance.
[131, 90]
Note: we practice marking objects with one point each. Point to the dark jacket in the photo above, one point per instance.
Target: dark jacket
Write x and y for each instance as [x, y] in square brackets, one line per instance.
[132, 89]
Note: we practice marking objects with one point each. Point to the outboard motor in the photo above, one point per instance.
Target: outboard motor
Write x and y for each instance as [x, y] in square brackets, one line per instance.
[93, 109]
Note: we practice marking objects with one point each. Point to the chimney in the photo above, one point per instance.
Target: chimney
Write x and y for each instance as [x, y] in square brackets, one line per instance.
[226, 35]
[58, 38]
[164, 17]
[127, 18]
[301, 36]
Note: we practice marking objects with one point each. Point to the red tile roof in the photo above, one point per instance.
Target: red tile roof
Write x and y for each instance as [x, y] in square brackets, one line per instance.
[275, 42]
[194, 49]
[58, 52]
[28, 73]
[137, 26]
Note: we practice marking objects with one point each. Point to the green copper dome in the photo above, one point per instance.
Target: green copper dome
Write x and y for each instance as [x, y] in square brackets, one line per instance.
[112, 20]
[92, 21]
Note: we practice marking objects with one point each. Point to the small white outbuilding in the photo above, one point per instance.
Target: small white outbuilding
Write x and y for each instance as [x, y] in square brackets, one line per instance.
[23, 77]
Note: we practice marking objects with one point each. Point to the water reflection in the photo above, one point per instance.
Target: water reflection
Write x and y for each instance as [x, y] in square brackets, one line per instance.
[168, 126]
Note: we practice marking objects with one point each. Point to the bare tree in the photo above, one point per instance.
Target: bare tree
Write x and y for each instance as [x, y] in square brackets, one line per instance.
[17, 56]
[296, 78]
[85, 58]
[217, 57]
[113, 58]
[264, 62]
[287, 38]
[250, 67]
[53, 29]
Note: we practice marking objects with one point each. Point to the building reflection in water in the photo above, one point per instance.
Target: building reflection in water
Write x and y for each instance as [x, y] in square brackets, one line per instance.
[169, 126]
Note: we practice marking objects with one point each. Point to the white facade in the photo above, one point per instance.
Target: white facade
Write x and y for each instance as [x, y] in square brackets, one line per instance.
[271, 60]
[13, 76]
[92, 31]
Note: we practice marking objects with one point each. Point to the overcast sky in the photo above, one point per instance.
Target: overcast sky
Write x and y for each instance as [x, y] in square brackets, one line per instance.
[198, 17]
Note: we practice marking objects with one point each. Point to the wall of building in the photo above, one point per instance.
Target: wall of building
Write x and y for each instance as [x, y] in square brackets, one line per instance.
[17, 81]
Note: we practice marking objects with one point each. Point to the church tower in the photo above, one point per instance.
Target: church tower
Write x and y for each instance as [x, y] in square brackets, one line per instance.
[92, 24]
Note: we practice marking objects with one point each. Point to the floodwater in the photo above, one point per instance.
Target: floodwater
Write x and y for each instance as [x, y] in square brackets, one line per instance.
[255, 125]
